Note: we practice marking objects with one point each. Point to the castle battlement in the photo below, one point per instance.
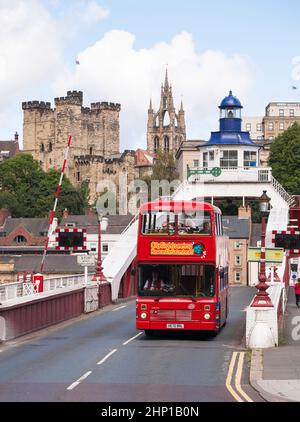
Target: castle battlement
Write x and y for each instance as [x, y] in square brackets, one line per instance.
[105, 106]
[72, 98]
[36, 105]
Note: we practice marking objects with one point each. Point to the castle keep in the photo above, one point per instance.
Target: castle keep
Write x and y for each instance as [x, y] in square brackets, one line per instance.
[95, 149]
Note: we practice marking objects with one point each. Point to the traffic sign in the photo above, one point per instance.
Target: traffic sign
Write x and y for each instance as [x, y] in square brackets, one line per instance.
[86, 260]
[272, 254]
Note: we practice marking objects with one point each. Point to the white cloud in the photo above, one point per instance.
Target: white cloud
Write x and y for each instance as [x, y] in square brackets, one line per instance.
[114, 70]
[30, 54]
[94, 13]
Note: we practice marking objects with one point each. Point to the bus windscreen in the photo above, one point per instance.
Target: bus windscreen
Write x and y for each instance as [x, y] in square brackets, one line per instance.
[187, 280]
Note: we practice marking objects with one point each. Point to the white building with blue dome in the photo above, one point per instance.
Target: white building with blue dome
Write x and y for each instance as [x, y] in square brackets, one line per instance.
[230, 148]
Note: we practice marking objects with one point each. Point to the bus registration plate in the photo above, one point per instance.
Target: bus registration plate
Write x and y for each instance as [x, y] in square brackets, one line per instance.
[175, 325]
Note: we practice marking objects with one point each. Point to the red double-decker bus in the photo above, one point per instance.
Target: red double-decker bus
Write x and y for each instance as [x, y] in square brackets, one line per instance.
[182, 267]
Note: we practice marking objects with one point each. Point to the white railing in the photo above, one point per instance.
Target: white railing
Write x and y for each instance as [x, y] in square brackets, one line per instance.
[11, 291]
[282, 192]
[235, 174]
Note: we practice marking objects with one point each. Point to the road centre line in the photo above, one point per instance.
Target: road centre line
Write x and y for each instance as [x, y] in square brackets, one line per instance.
[229, 378]
[76, 383]
[238, 377]
[107, 356]
[120, 307]
[132, 338]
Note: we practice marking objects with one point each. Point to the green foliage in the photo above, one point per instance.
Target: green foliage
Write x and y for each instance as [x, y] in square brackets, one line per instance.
[285, 159]
[28, 191]
[164, 167]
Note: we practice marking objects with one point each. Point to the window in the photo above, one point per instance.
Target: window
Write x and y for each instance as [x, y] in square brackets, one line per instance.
[166, 144]
[249, 158]
[237, 245]
[205, 159]
[281, 112]
[259, 138]
[229, 159]
[211, 155]
[42, 148]
[238, 260]
[91, 150]
[237, 277]
[50, 147]
[248, 127]
[104, 247]
[259, 127]
[161, 223]
[93, 247]
[20, 239]
[292, 112]
[271, 138]
[281, 126]
[78, 176]
[191, 280]
[271, 126]
[156, 144]
[196, 163]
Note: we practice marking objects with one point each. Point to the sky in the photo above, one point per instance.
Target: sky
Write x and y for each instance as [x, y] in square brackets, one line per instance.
[124, 47]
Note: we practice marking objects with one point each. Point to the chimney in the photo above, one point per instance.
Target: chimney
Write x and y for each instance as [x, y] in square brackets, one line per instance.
[65, 213]
[16, 137]
[245, 212]
[4, 213]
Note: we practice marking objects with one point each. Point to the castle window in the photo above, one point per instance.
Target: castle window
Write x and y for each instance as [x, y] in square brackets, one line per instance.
[42, 148]
[20, 239]
[78, 176]
[91, 150]
[156, 144]
[166, 144]
[50, 147]
[50, 161]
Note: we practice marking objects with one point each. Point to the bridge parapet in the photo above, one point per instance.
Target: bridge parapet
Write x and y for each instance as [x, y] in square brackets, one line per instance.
[263, 325]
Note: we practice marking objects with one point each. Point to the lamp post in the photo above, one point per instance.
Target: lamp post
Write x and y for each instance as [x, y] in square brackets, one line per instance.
[262, 298]
[99, 276]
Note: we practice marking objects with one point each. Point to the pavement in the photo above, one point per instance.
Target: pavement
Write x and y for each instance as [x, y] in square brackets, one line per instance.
[275, 373]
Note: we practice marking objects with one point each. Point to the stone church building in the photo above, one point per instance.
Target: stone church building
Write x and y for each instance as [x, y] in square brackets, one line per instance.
[166, 129]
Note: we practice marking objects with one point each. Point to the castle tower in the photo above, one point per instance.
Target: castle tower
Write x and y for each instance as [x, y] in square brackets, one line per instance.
[166, 128]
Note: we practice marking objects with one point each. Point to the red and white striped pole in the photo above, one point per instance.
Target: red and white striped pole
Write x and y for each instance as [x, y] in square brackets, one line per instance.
[55, 203]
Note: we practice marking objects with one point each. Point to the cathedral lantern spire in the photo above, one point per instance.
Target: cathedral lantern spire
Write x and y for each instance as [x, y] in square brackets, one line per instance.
[166, 128]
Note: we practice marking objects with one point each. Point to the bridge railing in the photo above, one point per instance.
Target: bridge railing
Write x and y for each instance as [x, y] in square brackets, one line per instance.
[12, 291]
[234, 174]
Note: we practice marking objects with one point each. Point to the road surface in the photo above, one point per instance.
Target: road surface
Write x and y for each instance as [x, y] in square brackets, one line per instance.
[101, 357]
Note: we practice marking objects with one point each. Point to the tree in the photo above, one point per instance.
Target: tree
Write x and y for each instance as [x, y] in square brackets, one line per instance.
[28, 191]
[285, 159]
[164, 169]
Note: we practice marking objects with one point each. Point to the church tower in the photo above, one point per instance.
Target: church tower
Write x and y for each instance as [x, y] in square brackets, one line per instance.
[166, 128]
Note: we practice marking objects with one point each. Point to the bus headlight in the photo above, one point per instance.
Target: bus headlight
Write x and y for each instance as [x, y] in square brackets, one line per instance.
[143, 307]
[206, 316]
[143, 315]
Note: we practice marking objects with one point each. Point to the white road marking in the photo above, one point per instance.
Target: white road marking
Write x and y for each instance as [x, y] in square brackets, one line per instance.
[120, 307]
[107, 356]
[76, 383]
[132, 338]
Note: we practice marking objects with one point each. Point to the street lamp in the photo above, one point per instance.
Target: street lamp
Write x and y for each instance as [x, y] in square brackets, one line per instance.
[262, 298]
[102, 225]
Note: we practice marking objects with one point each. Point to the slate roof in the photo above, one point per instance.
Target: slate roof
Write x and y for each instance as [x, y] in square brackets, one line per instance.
[236, 228]
[8, 148]
[256, 234]
[55, 264]
[116, 223]
[35, 226]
